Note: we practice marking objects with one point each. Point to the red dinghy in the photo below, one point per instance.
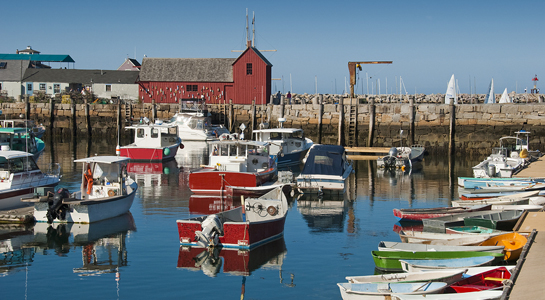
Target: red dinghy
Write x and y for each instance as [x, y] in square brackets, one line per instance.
[152, 142]
[482, 281]
[258, 221]
[234, 163]
[418, 214]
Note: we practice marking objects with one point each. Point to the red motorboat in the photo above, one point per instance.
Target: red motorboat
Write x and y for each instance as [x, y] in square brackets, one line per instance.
[206, 204]
[258, 221]
[483, 281]
[234, 163]
[152, 142]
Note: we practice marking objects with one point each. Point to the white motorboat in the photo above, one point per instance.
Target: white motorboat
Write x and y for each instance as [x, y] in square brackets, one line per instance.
[289, 144]
[152, 142]
[401, 157]
[106, 192]
[197, 127]
[22, 178]
[326, 169]
[29, 125]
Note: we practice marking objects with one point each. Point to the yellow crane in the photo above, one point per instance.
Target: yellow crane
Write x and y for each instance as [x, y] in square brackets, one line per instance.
[352, 65]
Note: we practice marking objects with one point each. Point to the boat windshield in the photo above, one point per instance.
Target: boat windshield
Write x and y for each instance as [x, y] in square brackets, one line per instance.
[17, 165]
[200, 123]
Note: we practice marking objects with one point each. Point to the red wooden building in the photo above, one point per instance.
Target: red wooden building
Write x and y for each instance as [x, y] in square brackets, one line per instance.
[217, 80]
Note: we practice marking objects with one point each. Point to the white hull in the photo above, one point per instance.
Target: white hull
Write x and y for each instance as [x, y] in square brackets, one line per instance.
[89, 211]
[480, 295]
[322, 182]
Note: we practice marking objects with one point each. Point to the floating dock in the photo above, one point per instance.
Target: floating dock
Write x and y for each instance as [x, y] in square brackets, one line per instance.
[366, 153]
[536, 169]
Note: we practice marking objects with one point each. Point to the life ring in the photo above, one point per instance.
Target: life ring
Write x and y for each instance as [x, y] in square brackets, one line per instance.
[88, 182]
[111, 193]
[272, 210]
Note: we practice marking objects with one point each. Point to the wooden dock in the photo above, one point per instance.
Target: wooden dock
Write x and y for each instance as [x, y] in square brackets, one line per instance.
[535, 170]
[19, 215]
[365, 153]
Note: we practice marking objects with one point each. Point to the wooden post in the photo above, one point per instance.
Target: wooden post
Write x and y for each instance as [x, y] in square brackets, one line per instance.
[27, 108]
[452, 128]
[74, 120]
[371, 123]
[282, 107]
[320, 113]
[231, 123]
[153, 111]
[87, 118]
[269, 113]
[341, 113]
[118, 121]
[51, 113]
[253, 118]
[411, 124]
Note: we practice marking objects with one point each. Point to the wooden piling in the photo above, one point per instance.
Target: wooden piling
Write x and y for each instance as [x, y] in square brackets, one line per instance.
[27, 108]
[411, 122]
[371, 123]
[231, 123]
[153, 111]
[341, 113]
[252, 120]
[87, 118]
[51, 114]
[452, 128]
[320, 116]
[74, 118]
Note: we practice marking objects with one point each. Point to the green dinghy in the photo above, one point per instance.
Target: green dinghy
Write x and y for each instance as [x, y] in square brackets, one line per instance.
[389, 260]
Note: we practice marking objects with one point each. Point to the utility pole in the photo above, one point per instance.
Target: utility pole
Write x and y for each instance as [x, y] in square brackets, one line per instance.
[352, 65]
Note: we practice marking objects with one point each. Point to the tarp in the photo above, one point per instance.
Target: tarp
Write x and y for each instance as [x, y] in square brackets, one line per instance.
[325, 160]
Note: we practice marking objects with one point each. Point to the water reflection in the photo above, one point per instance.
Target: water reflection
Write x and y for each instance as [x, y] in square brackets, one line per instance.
[323, 215]
[193, 155]
[234, 261]
[205, 205]
[152, 174]
[13, 255]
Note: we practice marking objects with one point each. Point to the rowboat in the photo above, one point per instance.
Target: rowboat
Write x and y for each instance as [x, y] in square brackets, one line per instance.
[395, 246]
[390, 260]
[472, 230]
[481, 196]
[480, 295]
[498, 189]
[473, 182]
[475, 270]
[433, 238]
[501, 220]
[449, 276]
[512, 243]
[526, 207]
[514, 199]
[484, 281]
[356, 291]
[418, 214]
[415, 265]
[440, 224]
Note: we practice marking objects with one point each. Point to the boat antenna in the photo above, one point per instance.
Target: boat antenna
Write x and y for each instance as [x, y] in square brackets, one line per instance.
[401, 137]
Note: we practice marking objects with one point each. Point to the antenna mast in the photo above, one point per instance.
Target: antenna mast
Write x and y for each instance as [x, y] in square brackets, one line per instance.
[253, 29]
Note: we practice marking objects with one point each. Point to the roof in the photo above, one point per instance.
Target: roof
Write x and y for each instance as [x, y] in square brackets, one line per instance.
[151, 125]
[10, 154]
[281, 130]
[13, 70]
[13, 130]
[80, 76]
[258, 54]
[187, 69]
[103, 159]
[38, 57]
[241, 142]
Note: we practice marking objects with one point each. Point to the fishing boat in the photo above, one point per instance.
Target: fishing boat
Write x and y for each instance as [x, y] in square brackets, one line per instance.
[512, 242]
[492, 279]
[234, 163]
[500, 220]
[355, 291]
[402, 157]
[480, 295]
[152, 142]
[448, 276]
[416, 265]
[411, 247]
[326, 170]
[257, 221]
[289, 144]
[471, 230]
[20, 177]
[197, 127]
[20, 139]
[419, 214]
[512, 199]
[442, 223]
[29, 125]
[106, 191]
[390, 260]
[433, 238]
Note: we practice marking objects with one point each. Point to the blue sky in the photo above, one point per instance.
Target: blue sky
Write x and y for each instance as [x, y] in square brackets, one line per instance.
[427, 41]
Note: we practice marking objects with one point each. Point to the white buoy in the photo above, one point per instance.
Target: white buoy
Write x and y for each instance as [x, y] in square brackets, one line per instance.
[117, 151]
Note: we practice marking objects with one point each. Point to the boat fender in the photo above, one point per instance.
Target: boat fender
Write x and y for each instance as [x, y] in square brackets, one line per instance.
[255, 161]
[111, 193]
[166, 151]
[181, 146]
[272, 210]
[265, 165]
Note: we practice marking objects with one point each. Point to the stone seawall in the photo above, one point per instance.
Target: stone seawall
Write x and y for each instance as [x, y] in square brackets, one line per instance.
[478, 126]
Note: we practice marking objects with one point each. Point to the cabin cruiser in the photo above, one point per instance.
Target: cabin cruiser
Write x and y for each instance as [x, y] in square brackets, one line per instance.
[197, 127]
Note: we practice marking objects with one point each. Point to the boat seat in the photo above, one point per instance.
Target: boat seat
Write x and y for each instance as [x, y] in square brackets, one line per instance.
[494, 279]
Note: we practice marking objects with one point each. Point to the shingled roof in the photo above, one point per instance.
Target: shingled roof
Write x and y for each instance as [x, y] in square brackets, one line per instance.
[13, 69]
[187, 69]
[80, 76]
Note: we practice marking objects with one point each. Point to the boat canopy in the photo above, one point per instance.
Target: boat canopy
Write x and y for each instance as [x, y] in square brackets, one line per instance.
[326, 160]
[103, 159]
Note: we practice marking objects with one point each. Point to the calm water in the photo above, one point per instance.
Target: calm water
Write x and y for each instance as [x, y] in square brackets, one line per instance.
[138, 256]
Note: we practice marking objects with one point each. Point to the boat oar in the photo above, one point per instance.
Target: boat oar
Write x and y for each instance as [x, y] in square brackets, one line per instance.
[427, 283]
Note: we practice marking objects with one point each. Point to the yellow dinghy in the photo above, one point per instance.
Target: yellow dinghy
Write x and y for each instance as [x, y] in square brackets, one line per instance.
[513, 243]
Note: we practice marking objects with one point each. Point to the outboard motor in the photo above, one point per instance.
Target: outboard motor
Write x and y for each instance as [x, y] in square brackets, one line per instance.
[211, 230]
[389, 161]
[393, 151]
[57, 210]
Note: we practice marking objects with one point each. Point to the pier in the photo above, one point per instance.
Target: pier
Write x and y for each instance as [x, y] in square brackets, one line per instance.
[366, 153]
[535, 170]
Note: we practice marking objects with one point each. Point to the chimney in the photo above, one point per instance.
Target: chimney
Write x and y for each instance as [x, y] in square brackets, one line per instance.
[17, 52]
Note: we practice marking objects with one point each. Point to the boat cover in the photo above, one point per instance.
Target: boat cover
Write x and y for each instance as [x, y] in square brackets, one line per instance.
[325, 160]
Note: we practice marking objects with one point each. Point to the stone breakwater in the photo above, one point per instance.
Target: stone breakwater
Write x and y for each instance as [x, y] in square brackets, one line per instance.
[478, 127]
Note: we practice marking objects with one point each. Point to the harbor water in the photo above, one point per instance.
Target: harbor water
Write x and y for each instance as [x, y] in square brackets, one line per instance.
[138, 255]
